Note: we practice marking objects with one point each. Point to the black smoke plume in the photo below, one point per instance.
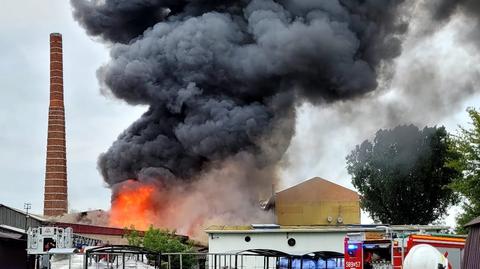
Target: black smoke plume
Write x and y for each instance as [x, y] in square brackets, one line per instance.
[445, 9]
[223, 77]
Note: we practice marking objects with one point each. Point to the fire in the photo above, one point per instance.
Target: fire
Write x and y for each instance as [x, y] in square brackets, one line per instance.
[133, 205]
[143, 204]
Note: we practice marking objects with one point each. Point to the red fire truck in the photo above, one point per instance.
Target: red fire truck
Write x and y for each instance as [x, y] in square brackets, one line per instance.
[373, 250]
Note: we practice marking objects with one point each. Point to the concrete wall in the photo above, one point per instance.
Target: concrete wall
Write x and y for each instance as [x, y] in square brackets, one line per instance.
[306, 242]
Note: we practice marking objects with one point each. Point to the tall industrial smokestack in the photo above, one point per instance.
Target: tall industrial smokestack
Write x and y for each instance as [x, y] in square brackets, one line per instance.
[56, 197]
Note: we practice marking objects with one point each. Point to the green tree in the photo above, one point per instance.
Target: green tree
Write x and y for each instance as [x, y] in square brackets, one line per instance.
[402, 175]
[163, 241]
[467, 145]
[133, 237]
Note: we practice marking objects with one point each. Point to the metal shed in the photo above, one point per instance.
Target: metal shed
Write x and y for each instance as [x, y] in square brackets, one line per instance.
[18, 219]
[471, 256]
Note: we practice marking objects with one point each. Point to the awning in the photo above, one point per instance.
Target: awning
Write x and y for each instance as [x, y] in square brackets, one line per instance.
[13, 236]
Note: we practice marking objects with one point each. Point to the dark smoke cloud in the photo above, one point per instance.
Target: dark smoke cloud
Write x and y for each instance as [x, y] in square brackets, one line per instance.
[445, 9]
[434, 79]
[223, 77]
[118, 20]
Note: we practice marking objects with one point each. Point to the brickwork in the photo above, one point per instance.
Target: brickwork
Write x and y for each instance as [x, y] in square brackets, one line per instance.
[56, 191]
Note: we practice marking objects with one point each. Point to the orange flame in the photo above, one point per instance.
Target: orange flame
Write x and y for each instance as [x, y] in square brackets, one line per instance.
[133, 205]
[143, 204]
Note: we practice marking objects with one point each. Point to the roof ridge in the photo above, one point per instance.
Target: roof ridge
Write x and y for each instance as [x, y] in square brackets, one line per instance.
[318, 179]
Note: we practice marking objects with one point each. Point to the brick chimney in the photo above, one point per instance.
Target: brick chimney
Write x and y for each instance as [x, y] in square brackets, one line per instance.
[56, 196]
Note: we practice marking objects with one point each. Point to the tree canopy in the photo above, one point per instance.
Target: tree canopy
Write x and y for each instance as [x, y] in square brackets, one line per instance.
[403, 176]
[467, 145]
[164, 241]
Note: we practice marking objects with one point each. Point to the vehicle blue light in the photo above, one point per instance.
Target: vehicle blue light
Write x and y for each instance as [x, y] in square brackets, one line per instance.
[352, 247]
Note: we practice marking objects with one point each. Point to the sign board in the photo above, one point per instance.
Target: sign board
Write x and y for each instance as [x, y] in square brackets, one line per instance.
[374, 236]
[48, 231]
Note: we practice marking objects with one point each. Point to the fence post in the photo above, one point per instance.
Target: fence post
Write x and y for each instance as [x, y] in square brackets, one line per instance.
[181, 262]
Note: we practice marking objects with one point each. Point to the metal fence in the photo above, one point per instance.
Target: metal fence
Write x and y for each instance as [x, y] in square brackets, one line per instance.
[247, 261]
[217, 261]
[122, 257]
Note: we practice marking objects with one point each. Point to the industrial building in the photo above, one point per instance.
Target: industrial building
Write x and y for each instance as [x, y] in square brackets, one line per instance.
[14, 219]
[317, 202]
[14, 224]
[107, 235]
[323, 245]
[13, 239]
[294, 240]
[311, 217]
[313, 221]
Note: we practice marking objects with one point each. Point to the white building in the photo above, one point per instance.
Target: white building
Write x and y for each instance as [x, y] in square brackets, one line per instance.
[325, 242]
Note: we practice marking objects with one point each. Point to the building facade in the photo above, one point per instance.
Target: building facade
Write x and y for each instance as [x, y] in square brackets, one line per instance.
[16, 219]
[317, 202]
[294, 240]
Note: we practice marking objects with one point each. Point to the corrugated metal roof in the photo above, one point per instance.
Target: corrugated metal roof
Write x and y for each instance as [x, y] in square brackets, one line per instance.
[33, 216]
[475, 221]
[91, 230]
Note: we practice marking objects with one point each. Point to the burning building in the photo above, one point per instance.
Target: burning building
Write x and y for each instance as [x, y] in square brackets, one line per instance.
[222, 80]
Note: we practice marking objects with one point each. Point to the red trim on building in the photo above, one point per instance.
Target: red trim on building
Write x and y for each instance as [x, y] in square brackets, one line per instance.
[91, 229]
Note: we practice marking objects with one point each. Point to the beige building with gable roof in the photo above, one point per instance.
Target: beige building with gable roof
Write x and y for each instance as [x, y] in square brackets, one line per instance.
[317, 202]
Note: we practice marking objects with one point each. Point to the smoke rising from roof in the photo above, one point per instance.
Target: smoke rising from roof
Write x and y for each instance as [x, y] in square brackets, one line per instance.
[223, 78]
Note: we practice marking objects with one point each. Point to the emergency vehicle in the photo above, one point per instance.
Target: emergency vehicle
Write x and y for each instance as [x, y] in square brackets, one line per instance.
[374, 250]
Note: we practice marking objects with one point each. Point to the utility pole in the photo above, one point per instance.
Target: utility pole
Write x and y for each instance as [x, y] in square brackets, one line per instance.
[26, 206]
